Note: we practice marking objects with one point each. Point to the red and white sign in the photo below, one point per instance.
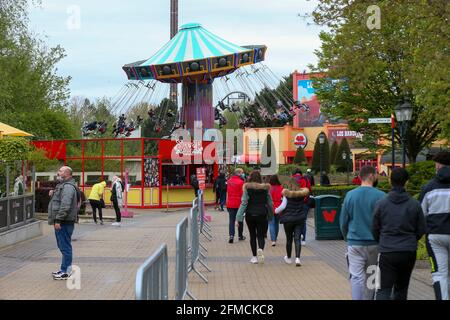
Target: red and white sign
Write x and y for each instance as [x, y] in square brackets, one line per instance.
[301, 140]
[201, 177]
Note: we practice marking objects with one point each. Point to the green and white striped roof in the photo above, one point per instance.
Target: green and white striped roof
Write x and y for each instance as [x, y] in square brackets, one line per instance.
[193, 42]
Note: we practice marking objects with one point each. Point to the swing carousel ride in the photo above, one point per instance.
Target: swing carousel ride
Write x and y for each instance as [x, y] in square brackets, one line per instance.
[204, 64]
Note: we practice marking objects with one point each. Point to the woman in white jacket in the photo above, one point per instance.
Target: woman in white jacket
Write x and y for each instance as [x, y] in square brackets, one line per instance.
[116, 198]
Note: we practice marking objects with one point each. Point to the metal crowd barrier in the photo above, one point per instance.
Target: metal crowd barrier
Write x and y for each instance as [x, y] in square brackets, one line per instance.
[17, 210]
[205, 228]
[152, 280]
[181, 262]
[196, 254]
[152, 276]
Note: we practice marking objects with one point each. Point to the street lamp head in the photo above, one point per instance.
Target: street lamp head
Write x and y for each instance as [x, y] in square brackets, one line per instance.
[403, 112]
[321, 138]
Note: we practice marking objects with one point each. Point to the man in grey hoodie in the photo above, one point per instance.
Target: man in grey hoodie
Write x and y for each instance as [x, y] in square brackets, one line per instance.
[398, 224]
[62, 213]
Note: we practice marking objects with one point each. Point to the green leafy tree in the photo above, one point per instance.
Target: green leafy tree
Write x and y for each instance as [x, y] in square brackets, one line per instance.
[370, 71]
[333, 152]
[317, 153]
[32, 96]
[341, 164]
[299, 156]
[14, 148]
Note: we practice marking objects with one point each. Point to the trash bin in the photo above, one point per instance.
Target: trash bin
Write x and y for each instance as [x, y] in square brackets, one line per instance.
[326, 216]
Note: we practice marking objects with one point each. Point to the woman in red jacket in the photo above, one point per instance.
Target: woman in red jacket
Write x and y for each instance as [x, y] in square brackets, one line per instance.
[234, 195]
[275, 193]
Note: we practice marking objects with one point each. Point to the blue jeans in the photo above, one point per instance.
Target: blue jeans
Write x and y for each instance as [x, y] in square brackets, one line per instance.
[232, 214]
[223, 198]
[64, 242]
[274, 226]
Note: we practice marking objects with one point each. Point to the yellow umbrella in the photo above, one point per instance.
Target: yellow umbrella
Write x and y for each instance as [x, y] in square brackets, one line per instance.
[6, 130]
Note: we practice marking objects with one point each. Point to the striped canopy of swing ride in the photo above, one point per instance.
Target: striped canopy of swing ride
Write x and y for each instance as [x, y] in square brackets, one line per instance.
[194, 53]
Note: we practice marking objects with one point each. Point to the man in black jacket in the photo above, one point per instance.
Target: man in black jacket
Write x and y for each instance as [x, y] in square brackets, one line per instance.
[398, 224]
[435, 200]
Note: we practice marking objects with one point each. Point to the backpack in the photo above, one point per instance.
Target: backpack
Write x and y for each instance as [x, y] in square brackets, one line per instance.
[78, 192]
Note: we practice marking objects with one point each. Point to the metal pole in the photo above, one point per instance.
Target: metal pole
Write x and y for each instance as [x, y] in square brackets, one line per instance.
[348, 169]
[8, 213]
[404, 125]
[321, 163]
[393, 141]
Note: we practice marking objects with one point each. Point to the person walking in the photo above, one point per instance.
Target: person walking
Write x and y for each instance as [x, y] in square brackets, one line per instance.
[62, 214]
[398, 224]
[310, 177]
[117, 198]
[324, 180]
[257, 207]
[220, 187]
[435, 201]
[356, 226]
[234, 195]
[293, 210]
[303, 182]
[275, 193]
[96, 199]
[195, 185]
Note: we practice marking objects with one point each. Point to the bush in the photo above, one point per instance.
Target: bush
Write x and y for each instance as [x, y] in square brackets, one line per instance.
[288, 169]
[422, 253]
[420, 173]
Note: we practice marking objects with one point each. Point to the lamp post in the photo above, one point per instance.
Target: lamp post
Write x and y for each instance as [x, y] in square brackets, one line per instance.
[321, 141]
[347, 162]
[403, 112]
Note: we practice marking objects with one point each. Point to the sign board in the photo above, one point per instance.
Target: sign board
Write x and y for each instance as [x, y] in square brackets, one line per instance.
[379, 120]
[201, 177]
[301, 141]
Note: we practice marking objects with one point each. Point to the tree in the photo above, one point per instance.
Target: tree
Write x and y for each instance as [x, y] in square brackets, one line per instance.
[333, 152]
[32, 95]
[341, 163]
[299, 156]
[316, 156]
[369, 72]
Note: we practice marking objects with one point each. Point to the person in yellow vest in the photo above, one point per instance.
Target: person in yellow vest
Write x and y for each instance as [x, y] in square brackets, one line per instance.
[96, 200]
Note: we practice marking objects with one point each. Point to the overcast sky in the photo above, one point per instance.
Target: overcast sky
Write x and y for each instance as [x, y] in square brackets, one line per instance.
[111, 33]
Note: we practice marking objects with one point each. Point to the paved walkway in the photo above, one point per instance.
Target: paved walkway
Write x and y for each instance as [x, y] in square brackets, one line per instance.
[109, 257]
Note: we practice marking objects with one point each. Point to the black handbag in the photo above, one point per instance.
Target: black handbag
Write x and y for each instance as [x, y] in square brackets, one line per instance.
[102, 203]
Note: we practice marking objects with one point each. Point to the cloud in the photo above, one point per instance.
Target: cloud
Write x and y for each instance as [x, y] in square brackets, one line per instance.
[115, 32]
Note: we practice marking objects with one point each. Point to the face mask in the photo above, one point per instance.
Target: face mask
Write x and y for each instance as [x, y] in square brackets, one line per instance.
[243, 176]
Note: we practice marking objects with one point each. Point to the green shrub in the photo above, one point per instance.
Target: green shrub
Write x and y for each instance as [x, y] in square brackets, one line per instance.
[14, 148]
[419, 174]
[422, 253]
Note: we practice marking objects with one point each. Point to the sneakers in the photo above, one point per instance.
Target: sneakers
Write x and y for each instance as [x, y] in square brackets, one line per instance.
[297, 262]
[61, 276]
[117, 224]
[274, 243]
[242, 238]
[260, 256]
[101, 222]
[287, 260]
[56, 273]
[254, 260]
[231, 240]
